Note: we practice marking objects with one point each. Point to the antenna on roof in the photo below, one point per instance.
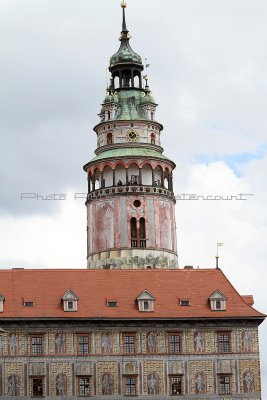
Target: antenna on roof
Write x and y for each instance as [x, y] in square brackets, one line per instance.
[217, 254]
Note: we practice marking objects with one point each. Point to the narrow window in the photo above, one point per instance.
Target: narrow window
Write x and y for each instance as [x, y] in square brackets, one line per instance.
[224, 342]
[153, 138]
[128, 343]
[130, 386]
[109, 138]
[218, 304]
[133, 233]
[176, 385]
[224, 384]
[142, 232]
[174, 343]
[109, 115]
[152, 116]
[146, 305]
[70, 305]
[37, 387]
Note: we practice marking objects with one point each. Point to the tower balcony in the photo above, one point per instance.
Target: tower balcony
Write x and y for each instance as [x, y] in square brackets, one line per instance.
[130, 189]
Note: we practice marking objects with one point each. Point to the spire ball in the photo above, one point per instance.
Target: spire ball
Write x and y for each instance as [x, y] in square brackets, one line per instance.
[123, 4]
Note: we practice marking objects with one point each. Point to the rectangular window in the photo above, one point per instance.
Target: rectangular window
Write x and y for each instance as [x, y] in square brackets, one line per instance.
[146, 305]
[36, 345]
[37, 387]
[70, 305]
[28, 303]
[112, 304]
[130, 386]
[224, 342]
[218, 304]
[84, 386]
[129, 343]
[224, 384]
[176, 385]
[174, 343]
[184, 303]
[83, 344]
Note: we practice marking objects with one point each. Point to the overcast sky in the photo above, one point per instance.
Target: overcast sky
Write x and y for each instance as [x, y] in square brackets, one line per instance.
[209, 75]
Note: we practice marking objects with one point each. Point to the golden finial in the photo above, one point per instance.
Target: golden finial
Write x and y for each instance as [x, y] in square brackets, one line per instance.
[123, 4]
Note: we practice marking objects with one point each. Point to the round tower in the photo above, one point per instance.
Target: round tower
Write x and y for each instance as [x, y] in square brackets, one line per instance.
[130, 203]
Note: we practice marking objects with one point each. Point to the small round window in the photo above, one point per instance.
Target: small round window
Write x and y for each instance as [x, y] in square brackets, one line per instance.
[137, 203]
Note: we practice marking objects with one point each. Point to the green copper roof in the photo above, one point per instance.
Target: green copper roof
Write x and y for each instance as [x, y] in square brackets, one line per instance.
[125, 54]
[129, 152]
[130, 109]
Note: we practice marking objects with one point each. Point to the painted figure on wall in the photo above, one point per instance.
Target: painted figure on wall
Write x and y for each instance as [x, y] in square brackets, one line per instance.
[61, 384]
[151, 342]
[105, 227]
[60, 342]
[246, 341]
[13, 344]
[248, 381]
[13, 385]
[107, 384]
[165, 226]
[199, 342]
[200, 381]
[152, 383]
[106, 343]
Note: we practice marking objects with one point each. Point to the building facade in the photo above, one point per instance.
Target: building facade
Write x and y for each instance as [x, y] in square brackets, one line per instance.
[132, 324]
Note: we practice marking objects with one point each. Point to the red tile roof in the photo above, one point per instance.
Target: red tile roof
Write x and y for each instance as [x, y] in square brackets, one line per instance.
[93, 287]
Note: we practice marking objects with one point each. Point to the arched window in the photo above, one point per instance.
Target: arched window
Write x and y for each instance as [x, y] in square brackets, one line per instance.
[153, 138]
[142, 232]
[133, 232]
[152, 116]
[109, 138]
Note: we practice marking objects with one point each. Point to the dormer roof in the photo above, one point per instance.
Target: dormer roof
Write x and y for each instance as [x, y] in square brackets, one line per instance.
[217, 295]
[70, 295]
[145, 295]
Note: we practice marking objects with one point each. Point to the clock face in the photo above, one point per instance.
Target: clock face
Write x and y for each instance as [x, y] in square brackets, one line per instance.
[132, 136]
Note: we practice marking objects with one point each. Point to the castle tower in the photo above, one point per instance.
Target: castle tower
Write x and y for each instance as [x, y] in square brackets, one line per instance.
[130, 203]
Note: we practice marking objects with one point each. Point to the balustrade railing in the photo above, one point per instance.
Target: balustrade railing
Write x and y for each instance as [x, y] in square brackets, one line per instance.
[102, 192]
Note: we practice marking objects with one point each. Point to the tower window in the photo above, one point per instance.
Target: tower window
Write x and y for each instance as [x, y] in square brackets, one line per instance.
[153, 138]
[142, 232]
[137, 203]
[109, 138]
[133, 232]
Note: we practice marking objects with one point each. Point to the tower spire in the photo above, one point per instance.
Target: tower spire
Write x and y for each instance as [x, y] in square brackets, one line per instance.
[124, 32]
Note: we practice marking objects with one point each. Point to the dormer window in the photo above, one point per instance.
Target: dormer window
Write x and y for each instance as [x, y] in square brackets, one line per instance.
[145, 302]
[217, 301]
[70, 301]
[2, 299]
